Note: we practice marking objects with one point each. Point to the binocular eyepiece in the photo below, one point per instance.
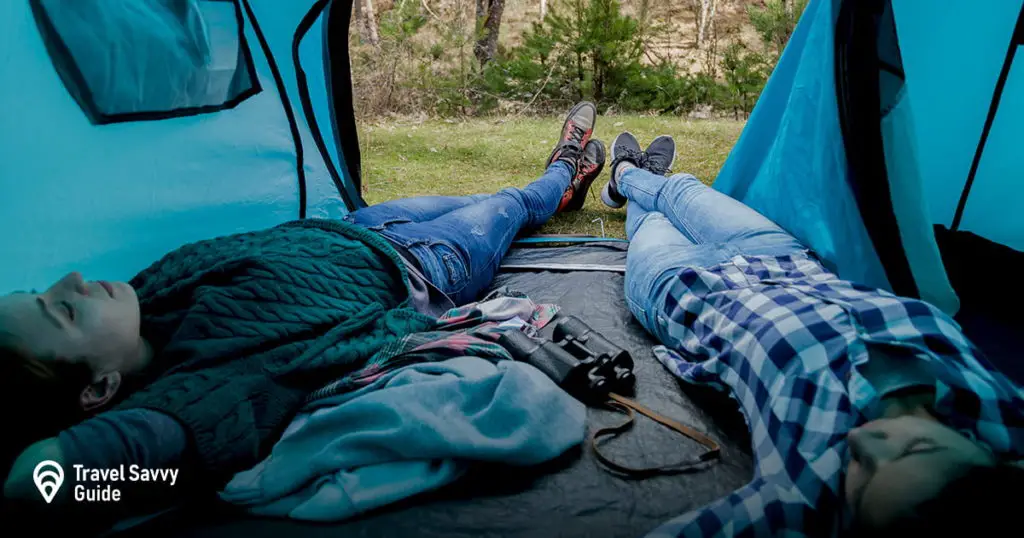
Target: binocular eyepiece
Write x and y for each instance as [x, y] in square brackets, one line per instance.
[580, 360]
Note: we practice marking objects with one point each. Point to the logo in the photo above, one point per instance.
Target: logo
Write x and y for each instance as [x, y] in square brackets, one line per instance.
[48, 477]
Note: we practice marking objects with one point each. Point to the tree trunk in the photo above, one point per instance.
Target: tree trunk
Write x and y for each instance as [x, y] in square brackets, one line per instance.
[366, 21]
[488, 24]
[543, 9]
[579, 72]
[708, 8]
[357, 6]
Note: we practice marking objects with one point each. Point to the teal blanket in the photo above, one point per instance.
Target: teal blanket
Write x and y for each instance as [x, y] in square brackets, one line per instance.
[413, 430]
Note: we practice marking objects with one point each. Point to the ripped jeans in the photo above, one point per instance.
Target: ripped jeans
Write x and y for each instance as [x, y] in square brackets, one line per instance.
[459, 241]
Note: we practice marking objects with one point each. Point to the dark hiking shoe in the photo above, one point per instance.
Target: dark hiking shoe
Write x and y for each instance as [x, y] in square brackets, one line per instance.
[660, 155]
[590, 167]
[625, 148]
[576, 132]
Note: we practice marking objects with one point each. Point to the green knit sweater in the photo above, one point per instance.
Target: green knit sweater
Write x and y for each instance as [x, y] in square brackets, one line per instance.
[245, 326]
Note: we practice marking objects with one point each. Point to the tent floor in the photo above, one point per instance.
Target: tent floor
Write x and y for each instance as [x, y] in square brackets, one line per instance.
[573, 496]
[569, 497]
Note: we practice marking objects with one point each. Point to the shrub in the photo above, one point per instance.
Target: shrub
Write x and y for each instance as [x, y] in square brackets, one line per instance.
[582, 49]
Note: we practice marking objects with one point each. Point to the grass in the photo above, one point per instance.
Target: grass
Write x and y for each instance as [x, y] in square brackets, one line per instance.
[442, 157]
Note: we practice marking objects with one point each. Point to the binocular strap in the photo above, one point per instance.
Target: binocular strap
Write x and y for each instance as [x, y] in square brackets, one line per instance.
[627, 407]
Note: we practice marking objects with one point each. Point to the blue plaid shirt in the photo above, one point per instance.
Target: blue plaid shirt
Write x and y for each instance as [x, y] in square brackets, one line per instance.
[785, 337]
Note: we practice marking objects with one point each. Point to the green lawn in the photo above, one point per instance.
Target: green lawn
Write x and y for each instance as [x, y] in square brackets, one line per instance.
[439, 157]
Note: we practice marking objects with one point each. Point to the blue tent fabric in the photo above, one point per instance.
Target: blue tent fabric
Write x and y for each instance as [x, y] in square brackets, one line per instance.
[196, 56]
[789, 162]
[108, 200]
[953, 58]
[279, 21]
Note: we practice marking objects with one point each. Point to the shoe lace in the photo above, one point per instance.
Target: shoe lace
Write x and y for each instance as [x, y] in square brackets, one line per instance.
[571, 151]
[655, 166]
[577, 131]
[638, 158]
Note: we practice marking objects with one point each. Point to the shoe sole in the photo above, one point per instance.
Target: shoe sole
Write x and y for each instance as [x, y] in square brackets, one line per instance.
[565, 125]
[606, 197]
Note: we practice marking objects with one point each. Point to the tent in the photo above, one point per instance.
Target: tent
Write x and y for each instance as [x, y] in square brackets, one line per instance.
[891, 148]
[110, 162]
[130, 129]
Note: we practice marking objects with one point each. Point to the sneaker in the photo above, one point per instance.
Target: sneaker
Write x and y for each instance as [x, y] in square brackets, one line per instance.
[660, 155]
[625, 148]
[576, 132]
[590, 167]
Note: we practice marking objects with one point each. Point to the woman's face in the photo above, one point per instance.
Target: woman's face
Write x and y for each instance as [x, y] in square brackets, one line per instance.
[898, 463]
[96, 322]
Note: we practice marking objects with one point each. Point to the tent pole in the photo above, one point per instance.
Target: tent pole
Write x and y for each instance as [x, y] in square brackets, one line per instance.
[300, 169]
[1015, 42]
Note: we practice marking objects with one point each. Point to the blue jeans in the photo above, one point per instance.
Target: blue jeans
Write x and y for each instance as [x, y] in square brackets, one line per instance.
[680, 222]
[459, 241]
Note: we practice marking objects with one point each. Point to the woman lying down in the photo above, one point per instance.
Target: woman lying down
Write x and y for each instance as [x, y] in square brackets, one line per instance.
[203, 359]
[868, 413]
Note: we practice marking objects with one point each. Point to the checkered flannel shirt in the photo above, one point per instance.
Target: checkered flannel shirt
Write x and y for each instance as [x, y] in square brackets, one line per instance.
[784, 337]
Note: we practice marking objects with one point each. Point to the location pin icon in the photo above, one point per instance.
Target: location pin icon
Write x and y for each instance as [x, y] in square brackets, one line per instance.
[48, 476]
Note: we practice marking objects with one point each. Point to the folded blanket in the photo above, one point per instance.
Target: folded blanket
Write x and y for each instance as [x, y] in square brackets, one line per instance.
[410, 431]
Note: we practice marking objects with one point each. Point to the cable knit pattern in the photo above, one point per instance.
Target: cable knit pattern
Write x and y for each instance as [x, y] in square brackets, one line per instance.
[246, 325]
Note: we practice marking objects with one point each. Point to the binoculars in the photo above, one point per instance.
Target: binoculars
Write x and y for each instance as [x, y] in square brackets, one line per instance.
[581, 361]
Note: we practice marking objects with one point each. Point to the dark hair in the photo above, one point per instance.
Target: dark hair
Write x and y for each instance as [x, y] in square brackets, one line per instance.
[40, 397]
[984, 501]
